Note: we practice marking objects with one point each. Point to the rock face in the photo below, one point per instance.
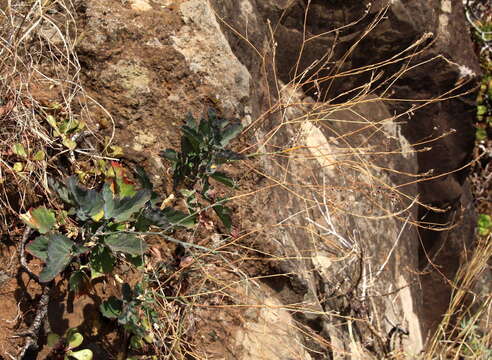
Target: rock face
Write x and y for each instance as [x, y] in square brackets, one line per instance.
[368, 103]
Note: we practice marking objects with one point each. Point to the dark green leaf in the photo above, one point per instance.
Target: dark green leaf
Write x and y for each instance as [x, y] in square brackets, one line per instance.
[61, 190]
[76, 279]
[143, 178]
[127, 292]
[136, 342]
[170, 155]
[230, 133]
[155, 217]
[223, 178]
[192, 137]
[101, 261]
[126, 243]
[79, 250]
[40, 219]
[190, 121]
[89, 202]
[205, 129]
[223, 212]
[111, 308]
[179, 218]
[122, 209]
[39, 247]
[224, 156]
[59, 256]
[135, 260]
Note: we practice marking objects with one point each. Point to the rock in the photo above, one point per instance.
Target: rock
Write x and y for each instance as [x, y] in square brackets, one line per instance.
[210, 57]
[342, 213]
[140, 5]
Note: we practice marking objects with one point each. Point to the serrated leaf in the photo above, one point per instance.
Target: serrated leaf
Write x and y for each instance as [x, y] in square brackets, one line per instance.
[59, 256]
[40, 219]
[61, 190]
[39, 155]
[224, 179]
[53, 339]
[74, 339]
[126, 243]
[39, 247]
[84, 354]
[122, 209]
[19, 150]
[111, 308]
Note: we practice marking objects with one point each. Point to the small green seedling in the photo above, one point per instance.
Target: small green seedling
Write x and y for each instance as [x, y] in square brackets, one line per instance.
[484, 225]
[65, 346]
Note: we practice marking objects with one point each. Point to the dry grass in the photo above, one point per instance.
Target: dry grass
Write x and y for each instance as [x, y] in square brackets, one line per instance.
[294, 163]
[40, 76]
[212, 293]
[294, 166]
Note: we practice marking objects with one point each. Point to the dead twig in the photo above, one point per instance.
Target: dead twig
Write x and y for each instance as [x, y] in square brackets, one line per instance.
[32, 333]
[22, 254]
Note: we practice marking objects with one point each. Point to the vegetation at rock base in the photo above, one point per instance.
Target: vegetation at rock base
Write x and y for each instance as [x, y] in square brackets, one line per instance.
[97, 228]
[202, 153]
[210, 251]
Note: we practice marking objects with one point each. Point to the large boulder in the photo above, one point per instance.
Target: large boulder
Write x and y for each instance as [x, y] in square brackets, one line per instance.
[349, 195]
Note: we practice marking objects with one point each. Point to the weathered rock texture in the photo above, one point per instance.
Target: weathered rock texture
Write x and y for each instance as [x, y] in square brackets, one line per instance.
[351, 249]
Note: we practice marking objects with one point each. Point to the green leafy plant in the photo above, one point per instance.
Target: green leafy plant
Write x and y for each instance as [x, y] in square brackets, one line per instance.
[108, 222]
[203, 151]
[476, 343]
[484, 224]
[65, 129]
[133, 311]
[63, 347]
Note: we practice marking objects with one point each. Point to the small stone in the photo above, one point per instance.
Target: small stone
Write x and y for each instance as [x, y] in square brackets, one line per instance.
[140, 5]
